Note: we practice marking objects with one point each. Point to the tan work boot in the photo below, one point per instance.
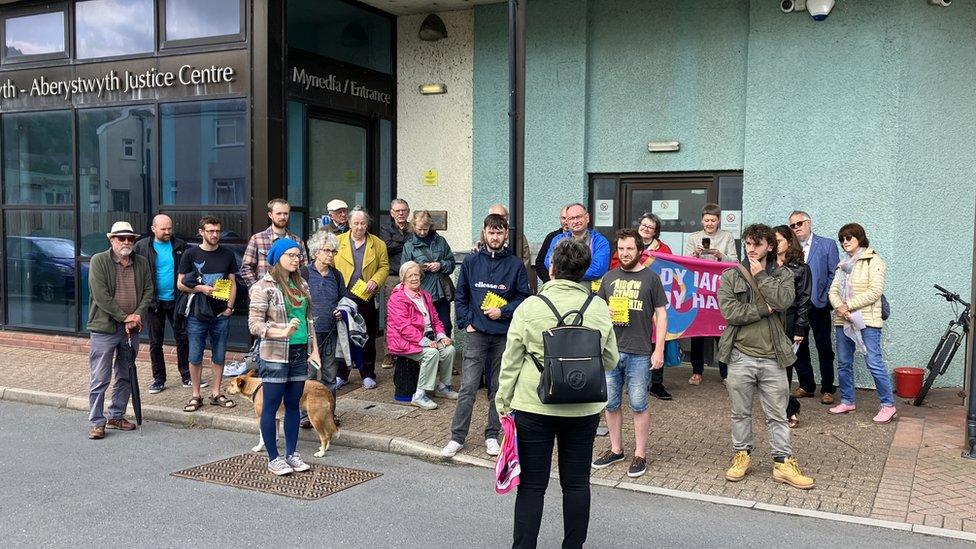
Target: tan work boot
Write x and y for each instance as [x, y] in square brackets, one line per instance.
[740, 466]
[788, 472]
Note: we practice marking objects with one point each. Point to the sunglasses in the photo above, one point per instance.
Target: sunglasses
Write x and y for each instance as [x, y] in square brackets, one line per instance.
[845, 238]
[798, 224]
[125, 238]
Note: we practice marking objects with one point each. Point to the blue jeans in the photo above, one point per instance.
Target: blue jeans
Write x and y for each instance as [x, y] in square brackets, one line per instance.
[845, 365]
[197, 332]
[635, 370]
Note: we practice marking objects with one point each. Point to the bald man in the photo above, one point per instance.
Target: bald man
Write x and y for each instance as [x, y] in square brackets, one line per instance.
[524, 253]
[164, 251]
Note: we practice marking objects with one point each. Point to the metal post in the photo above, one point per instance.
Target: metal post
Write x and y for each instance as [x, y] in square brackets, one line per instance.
[516, 122]
[970, 449]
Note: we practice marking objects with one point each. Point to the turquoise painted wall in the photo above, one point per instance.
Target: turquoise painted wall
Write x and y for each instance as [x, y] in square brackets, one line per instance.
[868, 116]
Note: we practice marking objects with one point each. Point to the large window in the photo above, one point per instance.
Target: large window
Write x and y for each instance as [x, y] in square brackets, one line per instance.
[116, 152]
[37, 158]
[195, 20]
[105, 28]
[35, 36]
[342, 31]
[40, 268]
[204, 160]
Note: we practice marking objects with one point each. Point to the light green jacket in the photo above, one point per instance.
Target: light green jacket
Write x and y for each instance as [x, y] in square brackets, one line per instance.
[518, 380]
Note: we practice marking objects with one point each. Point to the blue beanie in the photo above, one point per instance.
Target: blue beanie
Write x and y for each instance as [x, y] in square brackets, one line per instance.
[279, 248]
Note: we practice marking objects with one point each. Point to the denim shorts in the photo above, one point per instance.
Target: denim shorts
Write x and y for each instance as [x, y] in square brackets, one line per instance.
[197, 332]
[296, 369]
[635, 371]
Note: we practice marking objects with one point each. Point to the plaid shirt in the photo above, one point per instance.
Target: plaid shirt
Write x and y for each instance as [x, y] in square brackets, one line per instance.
[267, 310]
[255, 264]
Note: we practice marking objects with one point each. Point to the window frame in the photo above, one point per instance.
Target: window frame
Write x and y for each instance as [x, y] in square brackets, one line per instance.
[164, 43]
[38, 9]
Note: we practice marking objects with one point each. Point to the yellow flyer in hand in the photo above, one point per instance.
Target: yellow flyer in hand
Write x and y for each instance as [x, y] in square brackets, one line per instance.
[221, 289]
[619, 310]
[359, 290]
[493, 301]
[595, 285]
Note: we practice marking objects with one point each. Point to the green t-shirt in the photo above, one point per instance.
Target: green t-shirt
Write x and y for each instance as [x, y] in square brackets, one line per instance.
[300, 312]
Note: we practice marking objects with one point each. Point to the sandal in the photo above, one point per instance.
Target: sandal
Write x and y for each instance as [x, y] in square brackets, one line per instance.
[193, 404]
[794, 420]
[696, 379]
[222, 401]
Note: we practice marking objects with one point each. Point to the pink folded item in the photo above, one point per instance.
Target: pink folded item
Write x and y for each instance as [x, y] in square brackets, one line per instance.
[507, 467]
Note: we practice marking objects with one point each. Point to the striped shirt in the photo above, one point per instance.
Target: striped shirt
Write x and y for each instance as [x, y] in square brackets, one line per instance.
[125, 286]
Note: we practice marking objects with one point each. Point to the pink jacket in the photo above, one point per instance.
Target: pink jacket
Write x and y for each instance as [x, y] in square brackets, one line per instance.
[405, 322]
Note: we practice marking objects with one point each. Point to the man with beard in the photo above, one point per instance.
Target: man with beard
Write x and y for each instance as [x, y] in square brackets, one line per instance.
[635, 296]
[121, 288]
[164, 251]
[255, 262]
[491, 285]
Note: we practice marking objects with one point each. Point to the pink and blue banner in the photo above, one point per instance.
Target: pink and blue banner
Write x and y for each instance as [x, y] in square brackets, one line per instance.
[691, 285]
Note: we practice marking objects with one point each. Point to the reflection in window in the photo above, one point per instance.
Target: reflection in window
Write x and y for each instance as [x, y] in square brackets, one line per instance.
[104, 28]
[342, 31]
[197, 165]
[112, 190]
[40, 269]
[188, 19]
[38, 34]
[37, 158]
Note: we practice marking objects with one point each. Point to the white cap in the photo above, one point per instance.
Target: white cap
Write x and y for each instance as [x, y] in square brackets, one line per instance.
[337, 205]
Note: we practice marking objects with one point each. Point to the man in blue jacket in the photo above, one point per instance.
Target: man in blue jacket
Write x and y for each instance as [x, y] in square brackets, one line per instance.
[578, 220]
[491, 285]
[821, 255]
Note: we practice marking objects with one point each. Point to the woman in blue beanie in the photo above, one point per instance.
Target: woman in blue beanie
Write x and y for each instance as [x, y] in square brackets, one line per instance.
[281, 315]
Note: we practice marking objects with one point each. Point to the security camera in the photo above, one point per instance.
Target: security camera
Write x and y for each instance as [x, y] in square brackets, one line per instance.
[819, 9]
[943, 3]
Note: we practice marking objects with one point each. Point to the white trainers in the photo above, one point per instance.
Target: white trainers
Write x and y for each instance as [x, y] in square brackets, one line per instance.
[492, 447]
[369, 383]
[447, 392]
[296, 463]
[424, 402]
[451, 449]
[339, 382]
[280, 467]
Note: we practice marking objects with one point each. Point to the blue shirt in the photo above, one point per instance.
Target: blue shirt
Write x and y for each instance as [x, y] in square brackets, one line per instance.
[165, 271]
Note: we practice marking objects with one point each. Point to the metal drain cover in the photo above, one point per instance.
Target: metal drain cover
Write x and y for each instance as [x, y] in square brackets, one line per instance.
[250, 472]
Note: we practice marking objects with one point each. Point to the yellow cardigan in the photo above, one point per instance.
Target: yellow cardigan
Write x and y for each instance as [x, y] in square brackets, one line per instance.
[376, 261]
[868, 280]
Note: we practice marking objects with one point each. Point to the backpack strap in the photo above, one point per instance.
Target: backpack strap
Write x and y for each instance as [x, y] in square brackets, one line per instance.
[559, 317]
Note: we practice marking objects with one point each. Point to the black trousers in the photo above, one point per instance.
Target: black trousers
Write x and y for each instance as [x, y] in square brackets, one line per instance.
[444, 314]
[156, 322]
[820, 328]
[698, 357]
[536, 435]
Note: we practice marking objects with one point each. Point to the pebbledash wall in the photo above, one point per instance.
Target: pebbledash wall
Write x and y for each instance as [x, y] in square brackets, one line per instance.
[864, 117]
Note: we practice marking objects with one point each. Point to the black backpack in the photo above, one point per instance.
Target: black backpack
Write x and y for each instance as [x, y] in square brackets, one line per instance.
[572, 363]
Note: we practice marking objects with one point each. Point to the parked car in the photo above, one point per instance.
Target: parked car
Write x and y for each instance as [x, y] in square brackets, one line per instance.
[41, 266]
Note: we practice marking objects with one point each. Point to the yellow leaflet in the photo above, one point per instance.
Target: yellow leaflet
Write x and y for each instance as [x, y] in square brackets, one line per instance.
[619, 310]
[359, 290]
[595, 285]
[493, 301]
[221, 289]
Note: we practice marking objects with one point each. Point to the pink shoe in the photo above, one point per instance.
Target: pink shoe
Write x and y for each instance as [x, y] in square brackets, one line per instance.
[886, 414]
[842, 409]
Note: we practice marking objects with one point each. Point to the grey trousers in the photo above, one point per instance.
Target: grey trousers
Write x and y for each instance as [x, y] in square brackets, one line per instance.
[746, 374]
[479, 350]
[103, 364]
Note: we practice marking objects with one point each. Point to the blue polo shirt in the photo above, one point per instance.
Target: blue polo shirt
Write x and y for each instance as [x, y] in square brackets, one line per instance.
[165, 271]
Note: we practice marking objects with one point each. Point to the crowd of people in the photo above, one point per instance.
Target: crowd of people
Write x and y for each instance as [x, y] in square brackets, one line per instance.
[315, 312]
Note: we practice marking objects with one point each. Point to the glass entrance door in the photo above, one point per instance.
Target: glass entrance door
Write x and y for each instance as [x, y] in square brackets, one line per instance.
[338, 160]
[678, 203]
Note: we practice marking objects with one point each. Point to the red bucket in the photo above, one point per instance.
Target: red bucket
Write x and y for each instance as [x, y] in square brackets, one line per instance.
[908, 381]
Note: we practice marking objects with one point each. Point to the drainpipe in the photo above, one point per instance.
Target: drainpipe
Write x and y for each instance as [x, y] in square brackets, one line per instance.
[516, 122]
[970, 448]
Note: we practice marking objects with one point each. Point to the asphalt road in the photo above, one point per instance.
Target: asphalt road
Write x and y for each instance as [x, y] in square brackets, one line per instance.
[58, 489]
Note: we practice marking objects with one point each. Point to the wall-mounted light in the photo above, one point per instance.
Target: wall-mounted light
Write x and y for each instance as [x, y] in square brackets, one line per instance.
[433, 89]
[663, 146]
[433, 28]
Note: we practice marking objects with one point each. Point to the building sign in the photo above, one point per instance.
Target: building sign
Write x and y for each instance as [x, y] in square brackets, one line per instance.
[603, 211]
[334, 84]
[136, 80]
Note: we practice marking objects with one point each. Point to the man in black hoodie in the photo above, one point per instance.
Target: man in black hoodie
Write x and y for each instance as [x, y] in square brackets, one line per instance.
[540, 259]
[491, 285]
[164, 251]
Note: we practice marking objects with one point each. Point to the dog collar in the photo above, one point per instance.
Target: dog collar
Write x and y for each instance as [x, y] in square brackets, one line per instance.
[254, 394]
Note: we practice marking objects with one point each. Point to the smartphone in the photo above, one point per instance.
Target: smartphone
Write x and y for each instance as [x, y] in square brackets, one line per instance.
[706, 242]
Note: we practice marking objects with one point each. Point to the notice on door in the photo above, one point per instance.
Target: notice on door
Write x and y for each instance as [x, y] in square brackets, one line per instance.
[667, 210]
[603, 213]
[732, 222]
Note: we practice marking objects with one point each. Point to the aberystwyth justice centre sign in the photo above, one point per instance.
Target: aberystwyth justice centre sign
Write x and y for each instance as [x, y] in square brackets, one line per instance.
[139, 80]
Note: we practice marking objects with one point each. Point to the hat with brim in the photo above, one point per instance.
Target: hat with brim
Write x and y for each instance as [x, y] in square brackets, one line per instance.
[337, 204]
[121, 228]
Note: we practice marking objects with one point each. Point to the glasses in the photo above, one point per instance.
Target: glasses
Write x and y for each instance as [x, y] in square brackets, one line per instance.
[647, 226]
[798, 224]
[845, 238]
[125, 238]
[576, 217]
[400, 211]
[291, 255]
[327, 251]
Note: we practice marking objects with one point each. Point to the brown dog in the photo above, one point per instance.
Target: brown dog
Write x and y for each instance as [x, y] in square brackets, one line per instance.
[318, 400]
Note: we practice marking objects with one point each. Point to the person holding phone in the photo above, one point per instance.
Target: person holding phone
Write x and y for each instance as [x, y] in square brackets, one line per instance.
[281, 315]
[713, 244]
